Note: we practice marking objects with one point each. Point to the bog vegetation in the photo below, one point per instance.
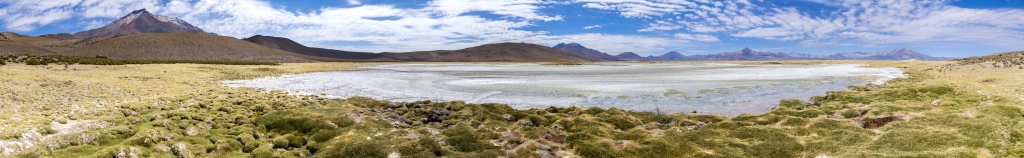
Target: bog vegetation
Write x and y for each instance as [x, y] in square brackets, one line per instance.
[932, 114]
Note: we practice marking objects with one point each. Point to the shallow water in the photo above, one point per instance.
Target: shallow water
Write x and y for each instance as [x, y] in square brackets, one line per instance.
[723, 89]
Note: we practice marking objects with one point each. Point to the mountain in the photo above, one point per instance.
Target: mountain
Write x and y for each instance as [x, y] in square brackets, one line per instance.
[511, 52]
[670, 56]
[629, 56]
[140, 21]
[898, 54]
[747, 54]
[507, 52]
[1012, 60]
[183, 46]
[580, 50]
[144, 36]
[9, 36]
[286, 44]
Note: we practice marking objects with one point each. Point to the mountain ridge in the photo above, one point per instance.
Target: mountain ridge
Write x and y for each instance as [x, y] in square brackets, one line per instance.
[747, 54]
[140, 21]
[580, 50]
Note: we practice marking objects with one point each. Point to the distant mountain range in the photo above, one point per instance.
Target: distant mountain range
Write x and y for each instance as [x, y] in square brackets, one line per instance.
[747, 54]
[141, 35]
[521, 52]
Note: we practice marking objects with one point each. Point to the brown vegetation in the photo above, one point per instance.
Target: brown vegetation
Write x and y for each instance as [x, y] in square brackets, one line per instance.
[184, 46]
[1013, 60]
[152, 46]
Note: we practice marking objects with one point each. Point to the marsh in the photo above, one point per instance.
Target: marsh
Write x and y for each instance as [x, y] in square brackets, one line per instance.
[709, 88]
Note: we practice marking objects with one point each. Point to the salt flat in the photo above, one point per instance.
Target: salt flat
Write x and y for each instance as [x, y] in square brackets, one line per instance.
[724, 89]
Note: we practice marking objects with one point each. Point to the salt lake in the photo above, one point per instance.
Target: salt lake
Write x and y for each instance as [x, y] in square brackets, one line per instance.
[708, 88]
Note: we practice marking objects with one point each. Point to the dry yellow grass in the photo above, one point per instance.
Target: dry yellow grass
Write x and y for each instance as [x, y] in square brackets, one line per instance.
[32, 97]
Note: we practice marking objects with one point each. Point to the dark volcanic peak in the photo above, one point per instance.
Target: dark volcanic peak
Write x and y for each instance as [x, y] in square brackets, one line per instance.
[629, 56]
[672, 55]
[746, 51]
[286, 44]
[140, 21]
[580, 50]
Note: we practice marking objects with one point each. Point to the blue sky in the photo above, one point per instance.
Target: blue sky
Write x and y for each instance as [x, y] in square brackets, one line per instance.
[647, 27]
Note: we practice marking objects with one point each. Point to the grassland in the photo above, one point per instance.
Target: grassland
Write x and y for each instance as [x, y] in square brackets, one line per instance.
[181, 110]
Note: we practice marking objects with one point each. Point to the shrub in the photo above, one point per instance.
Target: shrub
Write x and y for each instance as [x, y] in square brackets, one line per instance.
[48, 130]
[464, 138]
[423, 147]
[296, 141]
[792, 103]
[620, 122]
[362, 149]
[599, 149]
[264, 151]
[249, 143]
[280, 142]
[794, 121]
[288, 121]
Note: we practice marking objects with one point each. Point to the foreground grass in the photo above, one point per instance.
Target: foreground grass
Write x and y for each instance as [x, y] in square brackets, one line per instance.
[182, 111]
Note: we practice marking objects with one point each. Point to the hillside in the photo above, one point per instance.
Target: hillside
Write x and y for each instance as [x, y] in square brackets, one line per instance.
[588, 53]
[670, 56]
[511, 52]
[183, 46]
[629, 56]
[13, 43]
[1013, 60]
[286, 44]
[140, 21]
[8, 47]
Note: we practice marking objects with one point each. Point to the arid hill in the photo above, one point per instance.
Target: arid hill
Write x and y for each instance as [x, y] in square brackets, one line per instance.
[1013, 60]
[183, 46]
[510, 52]
[13, 43]
[286, 44]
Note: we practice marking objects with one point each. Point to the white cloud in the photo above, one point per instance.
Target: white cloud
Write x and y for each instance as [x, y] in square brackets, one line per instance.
[697, 37]
[353, 2]
[640, 8]
[517, 8]
[19, 15]
[614, 44]
[442, 24]
[591, 27]
[660, 26]
[872, 22]
[453, 24]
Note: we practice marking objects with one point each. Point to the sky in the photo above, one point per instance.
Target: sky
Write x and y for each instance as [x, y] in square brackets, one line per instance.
[948, 28]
